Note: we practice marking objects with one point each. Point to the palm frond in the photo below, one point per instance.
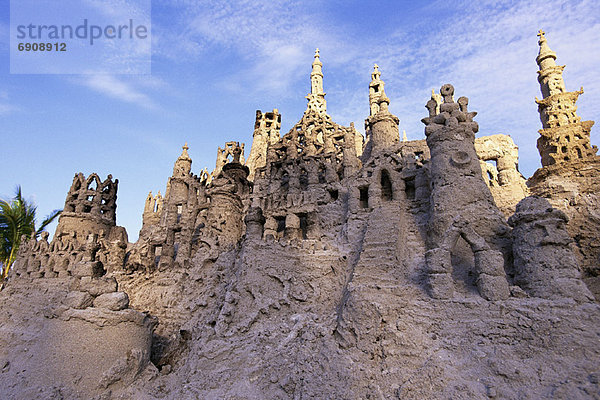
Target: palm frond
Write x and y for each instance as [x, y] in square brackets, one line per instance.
[47, 221]
[17, 219]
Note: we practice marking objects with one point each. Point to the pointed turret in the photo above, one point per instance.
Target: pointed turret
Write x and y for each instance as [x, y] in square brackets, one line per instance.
[376, 91]
[316, 97]
[183, 165]
[266, 132]
[382, 126]
[550, 74]
[564, 136]
[316, 76]
[315, 134]
[152, 209]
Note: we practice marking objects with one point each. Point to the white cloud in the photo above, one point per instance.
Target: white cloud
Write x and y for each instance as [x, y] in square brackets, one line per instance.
[122, 55]
[126, 91]
[6, 109]
[5, 106]
[121, 9]
[271, 41]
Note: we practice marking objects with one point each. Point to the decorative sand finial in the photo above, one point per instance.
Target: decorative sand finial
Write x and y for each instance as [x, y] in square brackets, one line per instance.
[541, 34]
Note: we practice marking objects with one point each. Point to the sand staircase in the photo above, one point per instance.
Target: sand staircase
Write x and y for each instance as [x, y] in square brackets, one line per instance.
[390, 245]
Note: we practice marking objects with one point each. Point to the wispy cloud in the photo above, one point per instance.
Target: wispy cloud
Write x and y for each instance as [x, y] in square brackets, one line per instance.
[5, 106]
[6, 109]
[127, 91]
[119, 9]
[271, 41]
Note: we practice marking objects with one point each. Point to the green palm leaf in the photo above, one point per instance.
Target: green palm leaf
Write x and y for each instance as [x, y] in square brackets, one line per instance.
[17, 219]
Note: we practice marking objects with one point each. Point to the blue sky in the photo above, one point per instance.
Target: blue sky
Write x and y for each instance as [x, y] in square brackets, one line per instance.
[215, 63]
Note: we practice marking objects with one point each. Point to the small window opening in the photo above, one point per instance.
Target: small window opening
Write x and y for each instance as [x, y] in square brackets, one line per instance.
[179, 212]
[87, 209]
[90, 198]
[157, 253]
[92, 185]
[334, 194]
[303, 225]
[364, 196]
[303, 180]
[386, 186]
[285, 181]
[322, 174]
[280, 223]
[493, 162]
[564, 149]
[93, 254]
[175, 250]
[409, 188]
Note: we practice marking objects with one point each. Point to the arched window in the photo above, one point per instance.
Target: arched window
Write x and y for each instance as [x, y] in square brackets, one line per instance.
[364, 196]
[386, 186]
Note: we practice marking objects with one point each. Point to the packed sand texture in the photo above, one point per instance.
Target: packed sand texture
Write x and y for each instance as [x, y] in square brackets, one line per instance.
[327, 265]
